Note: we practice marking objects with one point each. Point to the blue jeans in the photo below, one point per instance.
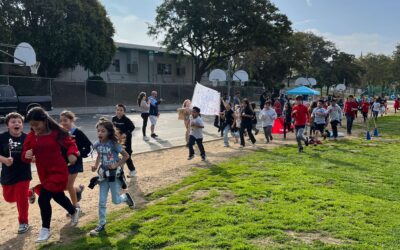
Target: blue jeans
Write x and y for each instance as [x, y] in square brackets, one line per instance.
[226, 131]
[116, 198]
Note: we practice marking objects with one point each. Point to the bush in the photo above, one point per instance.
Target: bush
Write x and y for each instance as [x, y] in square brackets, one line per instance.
[96, 85]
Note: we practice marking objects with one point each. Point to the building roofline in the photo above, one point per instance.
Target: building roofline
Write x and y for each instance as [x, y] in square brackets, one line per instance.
[144, 47]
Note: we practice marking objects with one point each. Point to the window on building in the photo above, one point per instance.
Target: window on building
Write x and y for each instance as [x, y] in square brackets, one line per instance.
[132, 68]
[164, 69]
[117, 65]
[180, 71]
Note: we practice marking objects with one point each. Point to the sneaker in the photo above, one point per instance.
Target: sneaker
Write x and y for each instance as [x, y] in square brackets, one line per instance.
[44, 235]
[203, 158]
[190, 157]
[97, 230]
[130, 201]
[131, 174]
[266, 142]
[301, 150]
[154, 135]
[241, 146]
[75, 217]
[253, 144]
[145, 138]
[79, 193]
[307, 141]
[23, 228]
[32, 197]
[226, 145]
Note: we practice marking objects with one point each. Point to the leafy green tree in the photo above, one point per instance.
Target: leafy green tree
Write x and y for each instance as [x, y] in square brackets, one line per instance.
[212, 31]
[378, 70]
[64, 33]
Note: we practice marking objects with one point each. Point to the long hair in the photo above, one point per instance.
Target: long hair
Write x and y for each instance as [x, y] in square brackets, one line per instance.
[246, 101]
[112, 132]
[140, 97]
[186, 103]
[39, 114]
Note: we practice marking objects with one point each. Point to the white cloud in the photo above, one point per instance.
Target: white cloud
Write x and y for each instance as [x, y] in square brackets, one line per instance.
[357, 43]
[131, 29]
[309, 3]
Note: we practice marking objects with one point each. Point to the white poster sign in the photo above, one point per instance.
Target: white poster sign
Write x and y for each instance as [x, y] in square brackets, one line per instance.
[208, 100]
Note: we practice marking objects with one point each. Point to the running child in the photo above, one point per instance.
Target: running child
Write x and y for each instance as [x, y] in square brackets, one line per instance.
[396, 105]
[196, 134]
[67, 121]
[247, 115]
[15, 174]
[365, 109]
[228, 123]
[376, 107]
[108, 166]
[335, 115]
[43, 144]
[300, 115]
[319, 114]
[267, 117]
[125, 127]
[254, 121]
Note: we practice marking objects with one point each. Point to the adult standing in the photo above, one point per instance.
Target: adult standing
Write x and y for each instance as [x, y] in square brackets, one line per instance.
[153, 112]
[350, 108]
[144, 107]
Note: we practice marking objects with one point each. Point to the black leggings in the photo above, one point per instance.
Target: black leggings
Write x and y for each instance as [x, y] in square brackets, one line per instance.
[145, 117]
[129, 162]
[248, 127]
[45, 207]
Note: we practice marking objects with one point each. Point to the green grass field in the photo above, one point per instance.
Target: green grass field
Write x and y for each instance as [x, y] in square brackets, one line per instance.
[342, 195]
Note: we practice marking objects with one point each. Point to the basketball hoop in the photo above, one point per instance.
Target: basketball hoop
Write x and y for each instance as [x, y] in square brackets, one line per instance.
[34, 68]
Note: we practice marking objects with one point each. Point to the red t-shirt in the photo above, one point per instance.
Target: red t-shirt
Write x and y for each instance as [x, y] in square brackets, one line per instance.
[300, 114]
[348, 106]
[51, 166]
[396, 104]
[364, 107]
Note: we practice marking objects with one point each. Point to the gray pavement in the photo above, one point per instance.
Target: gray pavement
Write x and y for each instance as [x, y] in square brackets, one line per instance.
[170, 130]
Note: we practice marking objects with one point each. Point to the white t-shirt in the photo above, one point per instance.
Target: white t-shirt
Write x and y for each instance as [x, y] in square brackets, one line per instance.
[376, 106]
[196, 131]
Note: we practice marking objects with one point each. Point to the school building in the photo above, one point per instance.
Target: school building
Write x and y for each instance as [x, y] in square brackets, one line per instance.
[139, 64]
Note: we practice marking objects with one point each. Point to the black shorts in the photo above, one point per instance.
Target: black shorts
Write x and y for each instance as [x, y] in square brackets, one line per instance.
[320, 127]
[76, 168]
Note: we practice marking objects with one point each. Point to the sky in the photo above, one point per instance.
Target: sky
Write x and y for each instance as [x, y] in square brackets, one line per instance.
[355, 26]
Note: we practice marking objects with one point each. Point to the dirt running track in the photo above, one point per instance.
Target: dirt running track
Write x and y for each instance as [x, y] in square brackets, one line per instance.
[156, 170]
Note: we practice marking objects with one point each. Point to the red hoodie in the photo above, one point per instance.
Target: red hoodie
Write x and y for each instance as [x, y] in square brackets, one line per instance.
[300, 114]
[364, 107]
[51, 166]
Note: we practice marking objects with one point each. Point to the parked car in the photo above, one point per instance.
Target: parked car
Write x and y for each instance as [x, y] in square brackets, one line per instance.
[10, 101]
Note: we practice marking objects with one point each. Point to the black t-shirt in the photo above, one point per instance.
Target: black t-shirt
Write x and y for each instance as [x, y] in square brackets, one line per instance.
[125, 126]
[247, 111]
[19, 170]
[229, 117]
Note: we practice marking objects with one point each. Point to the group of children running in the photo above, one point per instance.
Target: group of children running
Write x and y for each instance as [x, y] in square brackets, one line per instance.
[58, 149]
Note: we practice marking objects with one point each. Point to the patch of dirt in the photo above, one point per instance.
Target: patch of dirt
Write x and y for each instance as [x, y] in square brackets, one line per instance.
[264, 242]
[155, 170]
[309, 238]
[199, 195]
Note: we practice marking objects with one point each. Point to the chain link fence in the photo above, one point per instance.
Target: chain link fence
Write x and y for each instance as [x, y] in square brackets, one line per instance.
[77, 94]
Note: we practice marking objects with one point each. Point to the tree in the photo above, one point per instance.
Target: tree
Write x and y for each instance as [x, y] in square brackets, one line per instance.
[378, 70]
[64, 33]
[212, 31]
